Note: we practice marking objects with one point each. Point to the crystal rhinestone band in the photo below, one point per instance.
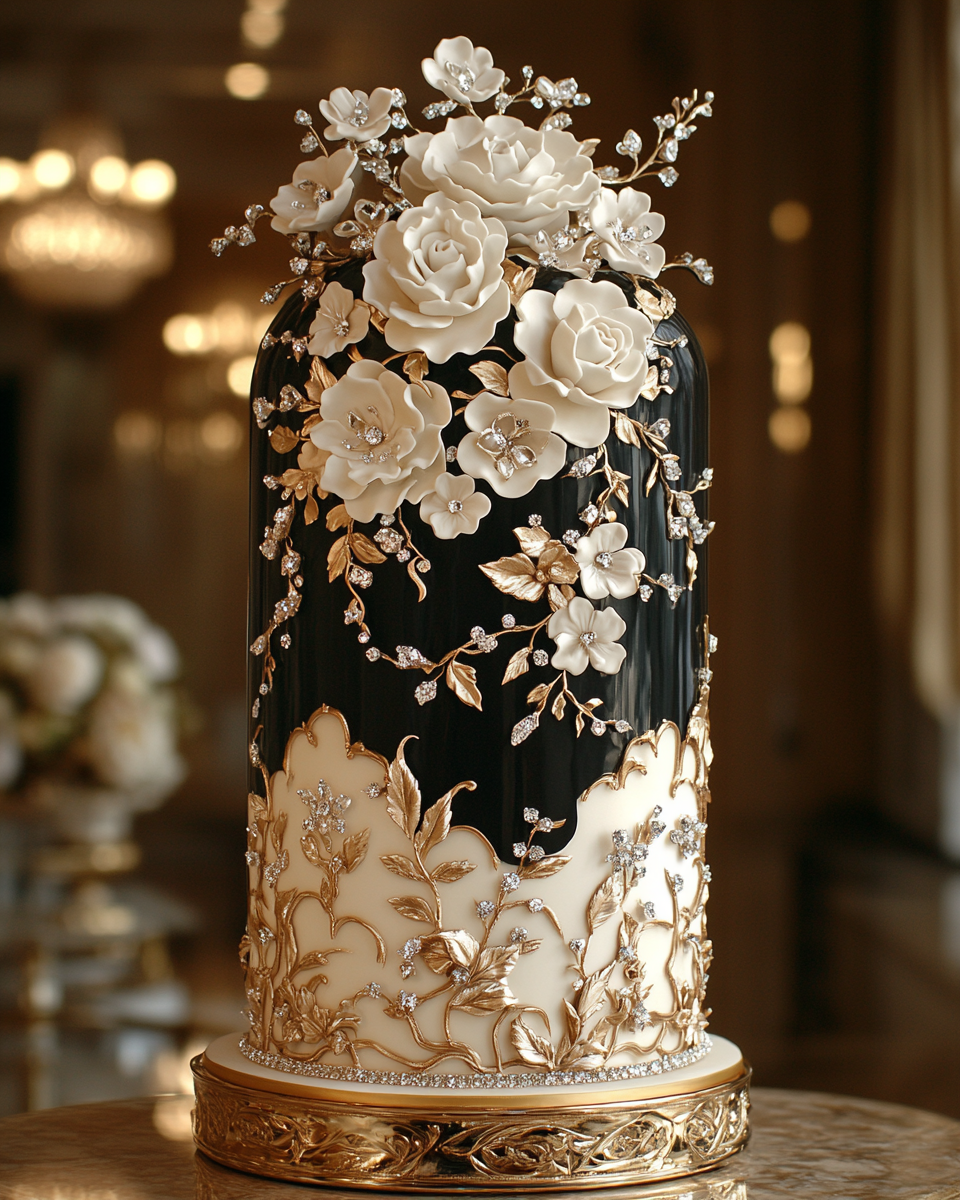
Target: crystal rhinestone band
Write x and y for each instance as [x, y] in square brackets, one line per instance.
[659, 1066]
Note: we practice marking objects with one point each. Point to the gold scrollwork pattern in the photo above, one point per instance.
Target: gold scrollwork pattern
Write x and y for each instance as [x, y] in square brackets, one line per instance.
[327, 938]
[312, 1140]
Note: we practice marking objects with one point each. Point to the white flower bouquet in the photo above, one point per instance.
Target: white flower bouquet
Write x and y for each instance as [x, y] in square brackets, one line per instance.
[87, 698]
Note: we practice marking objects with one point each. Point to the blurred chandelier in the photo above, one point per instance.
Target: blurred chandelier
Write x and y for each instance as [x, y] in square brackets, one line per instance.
[79, 226]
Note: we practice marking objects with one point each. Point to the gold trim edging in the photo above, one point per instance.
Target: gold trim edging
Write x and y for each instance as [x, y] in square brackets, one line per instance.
[480, 1149]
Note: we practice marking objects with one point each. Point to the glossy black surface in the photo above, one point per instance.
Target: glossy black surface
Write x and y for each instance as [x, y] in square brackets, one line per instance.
[326, 665]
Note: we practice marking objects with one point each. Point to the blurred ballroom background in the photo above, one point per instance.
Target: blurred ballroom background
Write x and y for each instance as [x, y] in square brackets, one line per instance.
[825, 193]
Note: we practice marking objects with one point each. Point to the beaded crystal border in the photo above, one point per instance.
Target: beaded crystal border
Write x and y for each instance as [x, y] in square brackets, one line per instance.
[658, 1066]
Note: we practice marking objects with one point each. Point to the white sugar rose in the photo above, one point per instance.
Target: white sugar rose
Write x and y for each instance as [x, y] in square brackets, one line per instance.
[606, 568]
[437, 274]
[587, 637]
[383, 438]
[454, 506]
[462, 71]
[355, 116]
[319, 195]
[586, 351]
[340, 321]
[66, 674]
[628, 230]
[511, 446]
[527, 178]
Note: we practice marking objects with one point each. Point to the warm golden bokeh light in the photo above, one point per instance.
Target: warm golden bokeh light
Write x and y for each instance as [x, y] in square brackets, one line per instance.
[261, 29]
[9, 178]
[790, 429]
[52, 168]
[792, 364]
[221, 434]
[240, 373]
[247, 81]
[108, 175]
[152, 182]
[790, 221]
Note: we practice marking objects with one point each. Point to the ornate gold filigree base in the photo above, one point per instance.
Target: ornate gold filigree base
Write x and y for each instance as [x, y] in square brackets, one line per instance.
[323, 1140]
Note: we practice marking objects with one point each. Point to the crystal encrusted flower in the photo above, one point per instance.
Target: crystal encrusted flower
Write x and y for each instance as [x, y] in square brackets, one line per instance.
[462, 71]
[587, 637]
[340, 321]
[355, 116]
[527, 178]
[628, 231]
[585, 349]
[437, 274]
[383, 437]
[606, 568]
[511, 445]
[454, 506]
[319, 194]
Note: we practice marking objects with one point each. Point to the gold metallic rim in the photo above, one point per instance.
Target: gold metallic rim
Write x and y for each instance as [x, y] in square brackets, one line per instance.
[454, 1101]
[428, 1149]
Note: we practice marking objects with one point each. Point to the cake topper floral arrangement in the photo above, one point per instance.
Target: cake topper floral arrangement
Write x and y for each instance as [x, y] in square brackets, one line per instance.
[499, 251]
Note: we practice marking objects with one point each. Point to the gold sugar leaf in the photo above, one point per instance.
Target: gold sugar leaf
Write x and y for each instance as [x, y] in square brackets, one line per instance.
[310, 422]
[436, 820]
[277, 830]
[283, 439]
[559, 597]
[355, 849]
[258, 803]
[492, 376]
[625, 429]
[337, 517]
[518, 665]
[652, 477]
[450, 872]
[605, 901]
[448, 949]
[651, 385]
[532, 1048]
[337, 558]
[515, 575]
[321, 377]
[591, 996]
[691, 566]
[311, 850]
[535, 695]
[403, 793]
[354, 354]
[364, 549]
[377, 319]
[573, 1021]
[416, 366]
[414, 907]
[593, 703]
[530, 945]
[462, 681]
[545, 867]
[399, 864]
[478, 999]
[458, 395]
[316, 958]
[415, 576]
[532, 539]
[311, 510]
[559, 705]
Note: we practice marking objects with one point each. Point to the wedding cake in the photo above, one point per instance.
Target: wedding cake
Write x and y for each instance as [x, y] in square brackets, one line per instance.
[476, 947]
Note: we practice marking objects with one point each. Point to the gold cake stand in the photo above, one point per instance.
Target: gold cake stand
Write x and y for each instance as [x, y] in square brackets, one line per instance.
[264, 1122]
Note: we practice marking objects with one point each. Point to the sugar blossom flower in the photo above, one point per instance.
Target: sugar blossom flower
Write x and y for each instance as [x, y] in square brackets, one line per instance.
[340, 321]
[454, 506]
[437, 274]
[628, 230]
[383, 437]
[585, 349]
[527, 178]
[319, 195]
[511, 445]
[606, 569]
[587, 637]
[462, 71]
[355, 116]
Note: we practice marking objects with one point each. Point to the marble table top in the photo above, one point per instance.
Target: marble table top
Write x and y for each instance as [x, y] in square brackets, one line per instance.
[804, 1144]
